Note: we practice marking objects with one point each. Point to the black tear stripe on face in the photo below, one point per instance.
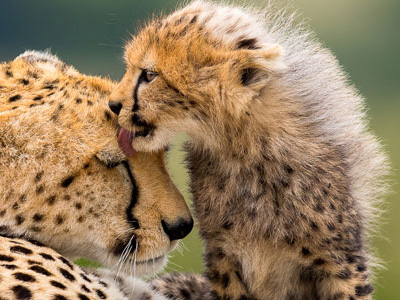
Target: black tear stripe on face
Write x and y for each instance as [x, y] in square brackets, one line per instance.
[135, 107]
[134, 197]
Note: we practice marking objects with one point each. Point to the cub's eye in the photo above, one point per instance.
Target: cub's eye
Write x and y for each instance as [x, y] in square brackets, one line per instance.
[149, 76]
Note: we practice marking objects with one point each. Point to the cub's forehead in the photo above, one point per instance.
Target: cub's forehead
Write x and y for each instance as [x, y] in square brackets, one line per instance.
[200, 23]
[227, 24]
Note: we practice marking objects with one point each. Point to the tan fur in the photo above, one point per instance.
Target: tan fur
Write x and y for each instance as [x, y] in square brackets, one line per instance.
[284, 173]
[65, 183]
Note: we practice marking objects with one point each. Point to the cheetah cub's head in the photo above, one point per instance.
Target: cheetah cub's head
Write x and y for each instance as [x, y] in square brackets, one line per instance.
[191, 71]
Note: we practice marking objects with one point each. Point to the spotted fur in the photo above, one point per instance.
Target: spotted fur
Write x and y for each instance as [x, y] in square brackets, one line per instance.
[285, 175]
[66, 190]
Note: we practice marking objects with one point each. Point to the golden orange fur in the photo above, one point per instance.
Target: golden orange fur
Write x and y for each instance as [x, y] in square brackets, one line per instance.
[65, 184]
[284, 173]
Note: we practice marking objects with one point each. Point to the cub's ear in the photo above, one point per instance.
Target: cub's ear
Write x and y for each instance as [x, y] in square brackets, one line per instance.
[254, 65]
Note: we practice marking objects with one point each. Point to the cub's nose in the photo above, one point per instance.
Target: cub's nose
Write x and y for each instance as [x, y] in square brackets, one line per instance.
[115, 107]
[179, 229]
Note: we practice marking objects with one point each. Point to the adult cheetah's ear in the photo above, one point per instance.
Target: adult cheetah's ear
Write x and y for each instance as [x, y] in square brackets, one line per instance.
[256, 64]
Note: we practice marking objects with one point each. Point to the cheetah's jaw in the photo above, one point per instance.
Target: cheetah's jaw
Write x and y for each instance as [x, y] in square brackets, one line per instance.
[151, 260]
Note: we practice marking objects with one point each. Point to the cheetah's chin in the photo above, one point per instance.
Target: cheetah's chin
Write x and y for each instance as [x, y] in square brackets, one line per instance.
[151, 260]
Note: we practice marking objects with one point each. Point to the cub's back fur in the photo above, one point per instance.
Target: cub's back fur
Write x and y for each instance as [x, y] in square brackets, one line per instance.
[285, 175]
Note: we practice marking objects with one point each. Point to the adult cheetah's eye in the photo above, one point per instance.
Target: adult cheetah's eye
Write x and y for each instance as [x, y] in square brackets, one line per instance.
[149, 76]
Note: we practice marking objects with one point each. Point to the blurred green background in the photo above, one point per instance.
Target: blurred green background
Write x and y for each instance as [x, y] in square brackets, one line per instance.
[364, 34]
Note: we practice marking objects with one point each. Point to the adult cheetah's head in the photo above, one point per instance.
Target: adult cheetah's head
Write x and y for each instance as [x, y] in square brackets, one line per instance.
[63, 179]
[189, 71]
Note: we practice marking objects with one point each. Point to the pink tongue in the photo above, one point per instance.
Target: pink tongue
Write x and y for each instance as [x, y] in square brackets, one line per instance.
[125, 142]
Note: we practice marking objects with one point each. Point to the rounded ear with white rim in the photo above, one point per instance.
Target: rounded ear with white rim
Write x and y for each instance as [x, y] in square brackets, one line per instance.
[256, 64]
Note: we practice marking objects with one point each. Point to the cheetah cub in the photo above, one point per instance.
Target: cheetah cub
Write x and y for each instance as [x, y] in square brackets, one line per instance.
[285, 175]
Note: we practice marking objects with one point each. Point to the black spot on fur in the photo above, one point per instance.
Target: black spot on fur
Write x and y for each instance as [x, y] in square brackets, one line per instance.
[363, 290]
[40, 189]
[59, 297]
[46, 256]
[9, 73]
[193, 20]
[90, 103]
[78, 101]
[59, 220]
[37, 98]
[15, 206]
[85, 289]
[250, 44]
[331, 227]
[24, 277]
[35, 242]
[319, 208]
[314, 226]
[14, 98]
[351, 259]
[103, 283]
[290, 239]
[361, 268]
[219, 253]
[40, 270]
[58, 284]
[344, 274]
[227, 225]
[100, 294]
[84, 277]
[78, 205]
[340, 219]
[51, 200]
[19, 219]
[67, 274]
[38, 217]
[9, 267]
[6, 258]
[38, 176]
[48, 86]
[305, 251]
[83, 297]
[21, 292]
[20, 249]
[34, 262]
[108, 115]
[24, 81]
[319, 262]
[67, 181]
[66, 262]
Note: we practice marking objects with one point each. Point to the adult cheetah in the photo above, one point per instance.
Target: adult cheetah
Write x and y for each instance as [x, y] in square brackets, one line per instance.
[66, 189]
[284, 172]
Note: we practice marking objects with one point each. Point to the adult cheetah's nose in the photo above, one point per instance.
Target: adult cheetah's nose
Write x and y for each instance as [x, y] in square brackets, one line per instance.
[115, 106]
[179, 229]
